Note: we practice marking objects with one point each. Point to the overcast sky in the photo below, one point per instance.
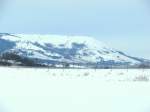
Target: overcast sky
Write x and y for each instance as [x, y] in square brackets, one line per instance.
[122, 24]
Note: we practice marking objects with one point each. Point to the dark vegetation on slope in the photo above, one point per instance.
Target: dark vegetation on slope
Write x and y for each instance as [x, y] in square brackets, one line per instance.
[13, 59]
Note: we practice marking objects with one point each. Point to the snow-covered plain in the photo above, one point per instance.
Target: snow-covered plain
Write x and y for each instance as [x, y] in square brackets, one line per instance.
[74, 90]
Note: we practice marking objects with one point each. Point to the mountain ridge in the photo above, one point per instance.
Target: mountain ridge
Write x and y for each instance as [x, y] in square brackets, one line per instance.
[50, 50]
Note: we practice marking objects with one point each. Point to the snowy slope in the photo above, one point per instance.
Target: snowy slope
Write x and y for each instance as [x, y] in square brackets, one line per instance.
[70, 49]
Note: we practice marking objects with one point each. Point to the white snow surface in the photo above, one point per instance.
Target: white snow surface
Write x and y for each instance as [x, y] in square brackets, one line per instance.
[74, 90]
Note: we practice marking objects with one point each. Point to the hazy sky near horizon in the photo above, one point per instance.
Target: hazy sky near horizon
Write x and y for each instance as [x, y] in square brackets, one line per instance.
[122, 24]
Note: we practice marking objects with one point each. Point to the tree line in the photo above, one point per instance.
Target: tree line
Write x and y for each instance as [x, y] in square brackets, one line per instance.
[13, 59]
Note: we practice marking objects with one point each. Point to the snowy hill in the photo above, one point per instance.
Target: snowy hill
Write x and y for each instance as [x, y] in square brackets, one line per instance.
[55, 50]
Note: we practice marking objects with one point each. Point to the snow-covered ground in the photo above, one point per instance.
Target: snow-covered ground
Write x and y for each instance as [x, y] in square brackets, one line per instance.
[109, 75]
[74, 90]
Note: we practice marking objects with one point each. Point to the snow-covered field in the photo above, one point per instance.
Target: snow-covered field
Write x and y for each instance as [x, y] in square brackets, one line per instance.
[74, 90]
[112, 75]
